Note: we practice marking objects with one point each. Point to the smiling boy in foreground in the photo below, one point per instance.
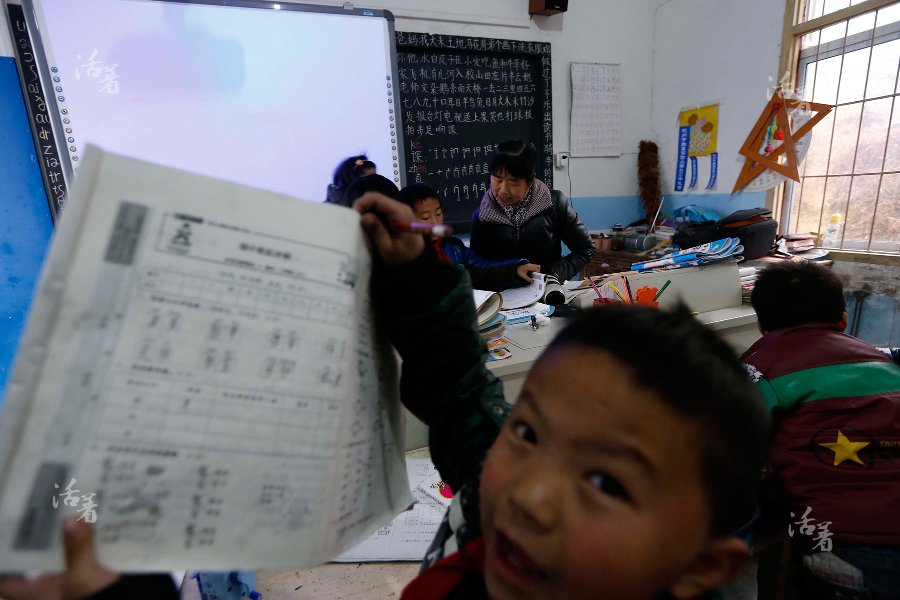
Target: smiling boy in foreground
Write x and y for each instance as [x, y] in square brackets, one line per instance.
[631, 457]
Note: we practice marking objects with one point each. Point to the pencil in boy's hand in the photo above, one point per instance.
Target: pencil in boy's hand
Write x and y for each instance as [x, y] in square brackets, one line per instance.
[422, 228]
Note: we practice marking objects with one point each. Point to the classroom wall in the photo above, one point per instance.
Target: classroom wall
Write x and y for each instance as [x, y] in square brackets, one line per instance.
[663, 47]
[710, 51]
[673, 53]
[604, 190]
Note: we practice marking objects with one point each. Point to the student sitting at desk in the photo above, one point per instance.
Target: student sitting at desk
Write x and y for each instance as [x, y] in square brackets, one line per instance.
[486, 274]
[836, 402]
[618, 473]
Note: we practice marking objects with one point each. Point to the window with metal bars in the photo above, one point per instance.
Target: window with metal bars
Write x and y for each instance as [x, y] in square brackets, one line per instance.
[847, 53]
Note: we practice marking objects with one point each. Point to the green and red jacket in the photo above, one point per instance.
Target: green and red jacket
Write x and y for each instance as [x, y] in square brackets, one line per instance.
[836, 404]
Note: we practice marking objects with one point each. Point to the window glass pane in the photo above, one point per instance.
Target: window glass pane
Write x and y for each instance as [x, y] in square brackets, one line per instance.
[816, 161]
[837, 191]
[892, 157]
[826, 84]
[813, 10]
[858, 220]
[791, 197]
[876, 117]
[833, 32]
[810, 205]
[834, 6]
[864, 22]
[886, 233]
[888, 14]
[806, 81]
[843, 142]
[883, 69]
[809, 40]
[853, 76]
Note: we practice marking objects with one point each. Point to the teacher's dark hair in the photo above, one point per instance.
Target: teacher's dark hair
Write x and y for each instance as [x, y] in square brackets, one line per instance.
[515, 158]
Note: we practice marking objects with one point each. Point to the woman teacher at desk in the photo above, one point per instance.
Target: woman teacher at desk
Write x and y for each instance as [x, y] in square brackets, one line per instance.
[520, 217]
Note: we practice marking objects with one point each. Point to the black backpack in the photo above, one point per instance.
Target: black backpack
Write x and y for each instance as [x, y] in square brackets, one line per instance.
[755, 227]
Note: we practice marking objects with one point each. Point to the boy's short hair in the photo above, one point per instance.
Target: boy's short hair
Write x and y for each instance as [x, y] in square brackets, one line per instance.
[792, 293]
[697, 375]
[517, 158]
[418, 192]
[371, 183]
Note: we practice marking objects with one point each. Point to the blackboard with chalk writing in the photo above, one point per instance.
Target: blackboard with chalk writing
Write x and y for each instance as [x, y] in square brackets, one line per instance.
[459, 97]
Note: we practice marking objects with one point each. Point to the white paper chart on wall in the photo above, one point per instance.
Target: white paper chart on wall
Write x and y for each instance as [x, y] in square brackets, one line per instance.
[596, 121]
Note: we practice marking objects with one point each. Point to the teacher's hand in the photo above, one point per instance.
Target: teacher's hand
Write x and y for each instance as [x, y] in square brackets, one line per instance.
[525, 270]
[396, 248]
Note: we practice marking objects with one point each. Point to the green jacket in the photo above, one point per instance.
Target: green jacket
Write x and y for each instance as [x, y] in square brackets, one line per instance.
[428, 312]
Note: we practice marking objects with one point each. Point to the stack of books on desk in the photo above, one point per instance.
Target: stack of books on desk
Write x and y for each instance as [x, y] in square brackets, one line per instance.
[748, 279]
[493, 328]
[799, 242]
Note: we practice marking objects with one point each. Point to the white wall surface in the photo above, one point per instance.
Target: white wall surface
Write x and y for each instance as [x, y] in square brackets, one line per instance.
[673, 53]
[708, 51]
[607, 31]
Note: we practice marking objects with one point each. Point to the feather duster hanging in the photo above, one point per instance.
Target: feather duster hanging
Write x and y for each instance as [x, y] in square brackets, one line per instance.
[648, 178]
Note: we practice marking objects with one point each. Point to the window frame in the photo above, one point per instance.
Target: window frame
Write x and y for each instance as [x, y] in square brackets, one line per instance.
[791, 63]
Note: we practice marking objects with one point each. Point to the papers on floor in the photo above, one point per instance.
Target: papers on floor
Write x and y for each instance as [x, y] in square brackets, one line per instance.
[408, 535]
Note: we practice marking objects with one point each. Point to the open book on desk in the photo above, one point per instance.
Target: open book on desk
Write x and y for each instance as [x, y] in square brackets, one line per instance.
[517, 297]
[487, 305]
[199, 373]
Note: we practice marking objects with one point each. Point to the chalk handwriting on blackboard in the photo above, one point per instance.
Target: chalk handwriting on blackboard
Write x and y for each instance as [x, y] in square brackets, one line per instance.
[459, 97]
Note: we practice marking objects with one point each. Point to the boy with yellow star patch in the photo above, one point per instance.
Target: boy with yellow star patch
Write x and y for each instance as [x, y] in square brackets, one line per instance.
[836, 408]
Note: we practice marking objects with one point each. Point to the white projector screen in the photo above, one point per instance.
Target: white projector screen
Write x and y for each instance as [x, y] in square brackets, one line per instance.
[269, 95]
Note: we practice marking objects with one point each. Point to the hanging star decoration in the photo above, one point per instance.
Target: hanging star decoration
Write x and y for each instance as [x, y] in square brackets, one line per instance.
[844, 449]
[772, 138]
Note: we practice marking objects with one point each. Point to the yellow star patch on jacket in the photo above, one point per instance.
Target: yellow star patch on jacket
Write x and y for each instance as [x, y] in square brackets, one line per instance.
[844, 449]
